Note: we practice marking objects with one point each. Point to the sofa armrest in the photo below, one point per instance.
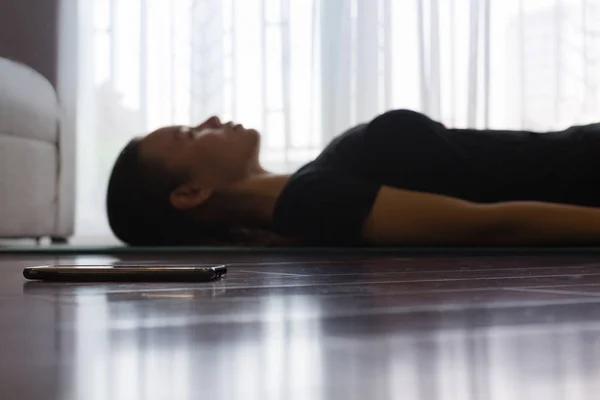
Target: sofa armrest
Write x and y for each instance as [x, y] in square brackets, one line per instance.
[30, 106]
[32, 124]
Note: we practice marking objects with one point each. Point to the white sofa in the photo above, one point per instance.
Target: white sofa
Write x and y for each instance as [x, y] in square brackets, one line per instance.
[37, 192]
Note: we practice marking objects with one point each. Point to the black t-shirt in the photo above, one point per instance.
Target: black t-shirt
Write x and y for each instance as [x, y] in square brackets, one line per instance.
[327, 200]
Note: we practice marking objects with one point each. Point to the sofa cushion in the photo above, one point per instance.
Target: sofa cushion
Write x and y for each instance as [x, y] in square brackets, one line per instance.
[28, 103]
[28, 169]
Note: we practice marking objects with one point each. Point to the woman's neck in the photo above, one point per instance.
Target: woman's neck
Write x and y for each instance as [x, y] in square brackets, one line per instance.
[251, 202]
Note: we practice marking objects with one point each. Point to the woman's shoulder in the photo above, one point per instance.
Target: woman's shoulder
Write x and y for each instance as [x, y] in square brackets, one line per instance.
[325, 203]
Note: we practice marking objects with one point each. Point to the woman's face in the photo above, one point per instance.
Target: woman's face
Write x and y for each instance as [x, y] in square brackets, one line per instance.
[213, 154]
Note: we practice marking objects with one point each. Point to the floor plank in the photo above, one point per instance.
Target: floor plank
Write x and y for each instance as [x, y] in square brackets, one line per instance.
[308, 327]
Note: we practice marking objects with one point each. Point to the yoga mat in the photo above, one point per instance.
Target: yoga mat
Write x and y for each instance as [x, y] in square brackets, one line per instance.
[426, 251]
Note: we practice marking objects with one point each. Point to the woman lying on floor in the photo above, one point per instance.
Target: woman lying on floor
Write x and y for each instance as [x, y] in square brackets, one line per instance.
[401, 179]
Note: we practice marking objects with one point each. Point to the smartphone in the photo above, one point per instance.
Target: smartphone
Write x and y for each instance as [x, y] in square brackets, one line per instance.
[125, 273]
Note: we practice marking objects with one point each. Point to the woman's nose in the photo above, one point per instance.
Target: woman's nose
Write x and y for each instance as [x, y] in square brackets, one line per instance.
[215, 121]
[212, 122]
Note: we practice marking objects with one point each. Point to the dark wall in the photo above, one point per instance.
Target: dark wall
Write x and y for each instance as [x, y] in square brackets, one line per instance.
[28, 33]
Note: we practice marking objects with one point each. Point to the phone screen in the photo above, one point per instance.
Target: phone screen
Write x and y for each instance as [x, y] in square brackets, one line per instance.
[126, 273]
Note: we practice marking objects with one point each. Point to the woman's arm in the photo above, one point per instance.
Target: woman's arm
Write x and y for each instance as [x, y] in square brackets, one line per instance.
[401, 217]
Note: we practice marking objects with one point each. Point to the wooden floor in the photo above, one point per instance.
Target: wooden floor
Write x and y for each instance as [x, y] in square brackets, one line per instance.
[293, 327]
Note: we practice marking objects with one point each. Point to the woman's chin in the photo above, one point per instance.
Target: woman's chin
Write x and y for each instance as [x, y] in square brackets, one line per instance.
[254, 135]
[253, 132]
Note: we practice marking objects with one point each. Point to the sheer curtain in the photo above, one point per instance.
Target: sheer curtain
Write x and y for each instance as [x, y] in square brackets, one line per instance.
[302, 71]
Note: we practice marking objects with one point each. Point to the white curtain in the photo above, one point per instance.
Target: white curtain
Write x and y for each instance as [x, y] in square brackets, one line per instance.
[302, 71]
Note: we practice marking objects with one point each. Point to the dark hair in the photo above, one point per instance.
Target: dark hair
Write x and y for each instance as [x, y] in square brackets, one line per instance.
[138, 207]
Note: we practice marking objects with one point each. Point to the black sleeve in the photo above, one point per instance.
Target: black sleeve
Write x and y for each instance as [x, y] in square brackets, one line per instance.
[324, 207]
